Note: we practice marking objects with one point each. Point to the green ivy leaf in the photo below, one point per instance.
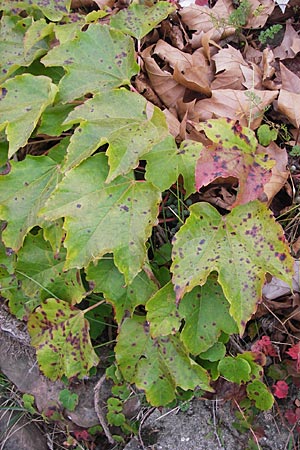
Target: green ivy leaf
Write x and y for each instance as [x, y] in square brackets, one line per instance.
[165, 162]
[241, 246]
[138, 20]
[214, 353]
[120, 118]
[107, 279]
[96, 60]
[102, 218]
[22, 101]
[60, 335]
[156, 366]
[235, 370]
[52, 9]
[22, 193]
[38, 30]
[41, 273]
[52, 119]
[12, 51]
[205, 311]
[68, 399]
[262, 397]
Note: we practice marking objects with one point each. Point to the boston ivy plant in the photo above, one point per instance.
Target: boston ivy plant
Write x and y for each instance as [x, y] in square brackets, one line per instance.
[77, 219]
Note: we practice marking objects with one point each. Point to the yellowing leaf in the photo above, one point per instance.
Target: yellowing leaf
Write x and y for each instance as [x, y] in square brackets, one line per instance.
[120, 118]
[40, 272]
[22, 101]
[52, 9]
[22, 193]
[12, 49]
[96, 60]
[60, 335]
[235, 153]
[241, 246]
[156, 366]
[138, 20]
[165, 162]
[102, 218]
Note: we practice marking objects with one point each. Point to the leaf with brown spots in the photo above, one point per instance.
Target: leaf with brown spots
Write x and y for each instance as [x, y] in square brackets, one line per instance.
[40, 272]
[61, 337]
[158, 365]
[242, 247]
[104, 217]
[234, 153]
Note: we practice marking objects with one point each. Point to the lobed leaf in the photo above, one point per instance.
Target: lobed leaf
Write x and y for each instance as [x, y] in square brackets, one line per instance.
[205, 311]
[60, 335]
[40, 272]
[22, 101]
[100, 218]
[242, 247]
[138, 20]
[22, 193]
[13, 54]
[165, 162]
[235, 153]
[96, 60]
[121, 119]
[107, 279]
[156, 366]
[52, 9]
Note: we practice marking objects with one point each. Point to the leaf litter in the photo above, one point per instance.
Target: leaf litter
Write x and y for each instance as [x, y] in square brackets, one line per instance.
[209, 64]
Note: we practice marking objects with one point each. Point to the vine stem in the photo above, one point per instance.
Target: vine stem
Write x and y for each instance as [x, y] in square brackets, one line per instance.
[99, 411]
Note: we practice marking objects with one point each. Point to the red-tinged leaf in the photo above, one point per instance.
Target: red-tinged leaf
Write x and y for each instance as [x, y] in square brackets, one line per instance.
[292, 416]
[294, 353]
[234, 153]
[280, 389]
[82, 435]
[264, 345]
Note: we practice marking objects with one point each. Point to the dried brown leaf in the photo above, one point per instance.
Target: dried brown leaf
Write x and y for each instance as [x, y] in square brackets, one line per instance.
[265, 8]
[203, 19]
[163, 83]
[290, 45]
[279, 172]
[229, 62]
[290, 81]
[288, 104]
[236, 105]
[191, 71]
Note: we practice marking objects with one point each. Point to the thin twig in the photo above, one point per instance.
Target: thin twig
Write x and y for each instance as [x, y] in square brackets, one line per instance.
[147, 414]
[99, 411]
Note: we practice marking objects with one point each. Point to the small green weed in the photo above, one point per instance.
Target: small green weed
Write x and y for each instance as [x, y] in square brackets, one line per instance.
[269, 34]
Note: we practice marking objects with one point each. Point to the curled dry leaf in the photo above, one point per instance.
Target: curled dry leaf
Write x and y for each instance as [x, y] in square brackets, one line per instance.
[265, 8]
[279, 172]
[192, 71]
[288, 104]
[290, 45]
[290, 81]
[246, 106]
[204, 19]
[163, 83]
[229, 62]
